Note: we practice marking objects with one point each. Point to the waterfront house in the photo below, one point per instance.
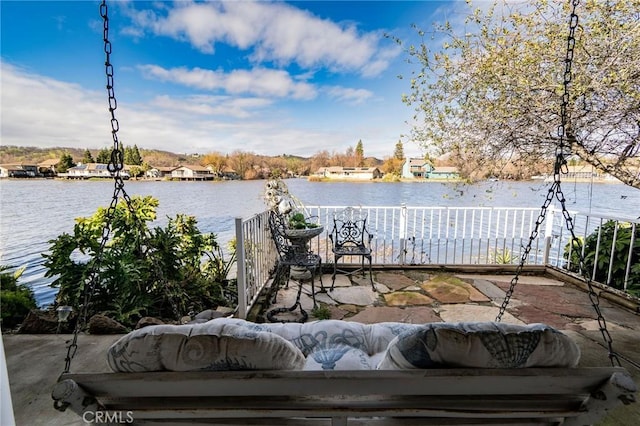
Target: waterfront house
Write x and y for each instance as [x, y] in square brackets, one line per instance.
[192, 172]
[160, 172]
[349, 173]
[443, 172]
[47, 168]
[416, 168]
[18, 170]
[87, 171]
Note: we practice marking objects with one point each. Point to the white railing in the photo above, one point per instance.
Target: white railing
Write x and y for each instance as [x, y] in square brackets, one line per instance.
[406, 235]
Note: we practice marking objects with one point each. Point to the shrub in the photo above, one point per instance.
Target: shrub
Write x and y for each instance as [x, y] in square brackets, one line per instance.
[620, 259]
[16, 300]
[162, 272]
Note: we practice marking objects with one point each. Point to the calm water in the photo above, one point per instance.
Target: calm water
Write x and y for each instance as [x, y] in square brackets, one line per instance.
[32, 212]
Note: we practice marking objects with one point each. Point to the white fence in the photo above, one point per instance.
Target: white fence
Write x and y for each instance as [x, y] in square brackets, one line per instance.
[406, 235]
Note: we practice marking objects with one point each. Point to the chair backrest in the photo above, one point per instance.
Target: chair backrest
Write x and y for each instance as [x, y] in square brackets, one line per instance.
[350, 228]
[277, 225]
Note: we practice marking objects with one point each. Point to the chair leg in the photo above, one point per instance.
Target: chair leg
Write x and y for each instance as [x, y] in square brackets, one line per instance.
[370, 274]
[335, 270]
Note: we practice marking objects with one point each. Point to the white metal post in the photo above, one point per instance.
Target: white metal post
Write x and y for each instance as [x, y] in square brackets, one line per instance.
[402, 233]
[6, 406]
[548, 234]
[241, 276]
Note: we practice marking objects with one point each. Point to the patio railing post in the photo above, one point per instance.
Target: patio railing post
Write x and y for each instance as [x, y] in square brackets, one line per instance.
[548, 234]
[241, 277]
[402, 233]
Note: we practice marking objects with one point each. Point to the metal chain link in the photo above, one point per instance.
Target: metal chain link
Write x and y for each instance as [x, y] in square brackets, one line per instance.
[560, 167]
[115, 166]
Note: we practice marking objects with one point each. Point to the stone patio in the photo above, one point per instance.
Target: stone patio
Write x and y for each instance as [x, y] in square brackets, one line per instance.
[410, 295]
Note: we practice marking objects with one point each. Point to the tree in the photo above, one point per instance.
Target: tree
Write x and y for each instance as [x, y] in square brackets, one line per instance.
[104, 156]
[491, 93]
[87, 157]
[398, 152]
[66, 162]
[216, 160]
[359, 154]
[158, 271]
[136, 158]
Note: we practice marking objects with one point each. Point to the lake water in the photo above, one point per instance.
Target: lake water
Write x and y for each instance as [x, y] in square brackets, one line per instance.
[32, 212]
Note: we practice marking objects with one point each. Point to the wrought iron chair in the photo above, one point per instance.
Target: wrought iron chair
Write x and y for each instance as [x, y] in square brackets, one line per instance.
[293, 252]
[350, 237]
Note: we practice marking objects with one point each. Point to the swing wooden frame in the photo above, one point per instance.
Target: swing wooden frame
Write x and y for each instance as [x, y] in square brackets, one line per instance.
[552, 396]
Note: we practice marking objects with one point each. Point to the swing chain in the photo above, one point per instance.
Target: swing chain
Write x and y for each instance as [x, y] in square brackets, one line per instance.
[115, 166]
[555, 191]
[560, 166]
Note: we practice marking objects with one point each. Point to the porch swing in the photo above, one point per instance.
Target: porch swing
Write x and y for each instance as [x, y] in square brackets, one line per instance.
[539, 395]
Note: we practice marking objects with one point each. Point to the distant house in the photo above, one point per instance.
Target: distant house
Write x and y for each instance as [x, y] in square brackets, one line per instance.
[192, 172]
[444, 172]
[18, 170]
[349, 173]
[416, 168]
[87, 171]
[48, 167]
[160, 172]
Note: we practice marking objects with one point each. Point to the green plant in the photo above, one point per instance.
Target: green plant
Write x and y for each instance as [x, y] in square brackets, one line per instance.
[163, 271]
[321, 312]
[503, 258]
[617, 264]
[299, 221]
[16, 300]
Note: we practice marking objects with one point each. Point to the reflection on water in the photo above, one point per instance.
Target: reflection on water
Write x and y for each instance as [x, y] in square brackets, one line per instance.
[32, 212]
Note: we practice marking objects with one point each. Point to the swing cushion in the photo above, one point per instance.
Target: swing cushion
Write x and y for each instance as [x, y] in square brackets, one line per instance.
[481, 345]
[215, 345]
[235, 344]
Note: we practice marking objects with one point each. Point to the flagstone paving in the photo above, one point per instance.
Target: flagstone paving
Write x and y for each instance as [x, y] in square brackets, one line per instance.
[417, 296]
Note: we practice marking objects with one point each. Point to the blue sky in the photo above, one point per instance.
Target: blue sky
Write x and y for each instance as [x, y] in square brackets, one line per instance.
[195, 77]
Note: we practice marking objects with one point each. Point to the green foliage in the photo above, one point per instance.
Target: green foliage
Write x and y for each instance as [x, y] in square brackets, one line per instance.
[299, 221]
[87, 157]
[66, 162]
[620, 259]
[321, 312]
[162, 271]
[104, 156]
[15, 299]
[505, 257]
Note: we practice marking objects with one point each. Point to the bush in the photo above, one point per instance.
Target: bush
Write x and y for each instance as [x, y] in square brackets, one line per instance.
[162, 272]
[16, 300]
[620, 259]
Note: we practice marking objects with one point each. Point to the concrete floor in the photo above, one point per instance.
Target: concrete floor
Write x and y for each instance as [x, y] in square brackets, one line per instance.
[34, 362]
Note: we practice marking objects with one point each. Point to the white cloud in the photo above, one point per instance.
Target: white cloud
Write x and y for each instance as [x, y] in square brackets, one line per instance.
[40, 111]
[349, 95]
[258, 81]
[274, 31]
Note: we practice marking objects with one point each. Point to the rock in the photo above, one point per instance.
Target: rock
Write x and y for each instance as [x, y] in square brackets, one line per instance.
[42, 322]
[147, 321]
[101, 324]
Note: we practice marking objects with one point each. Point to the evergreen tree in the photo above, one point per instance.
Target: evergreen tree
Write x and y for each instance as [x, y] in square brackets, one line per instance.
[136, 158]
[398, 153]
[104, 156]
[87, 157]
[359, 154]
[66, 162]
[128, 155]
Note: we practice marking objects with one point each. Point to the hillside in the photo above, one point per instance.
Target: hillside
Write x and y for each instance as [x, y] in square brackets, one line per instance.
[34, 155]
